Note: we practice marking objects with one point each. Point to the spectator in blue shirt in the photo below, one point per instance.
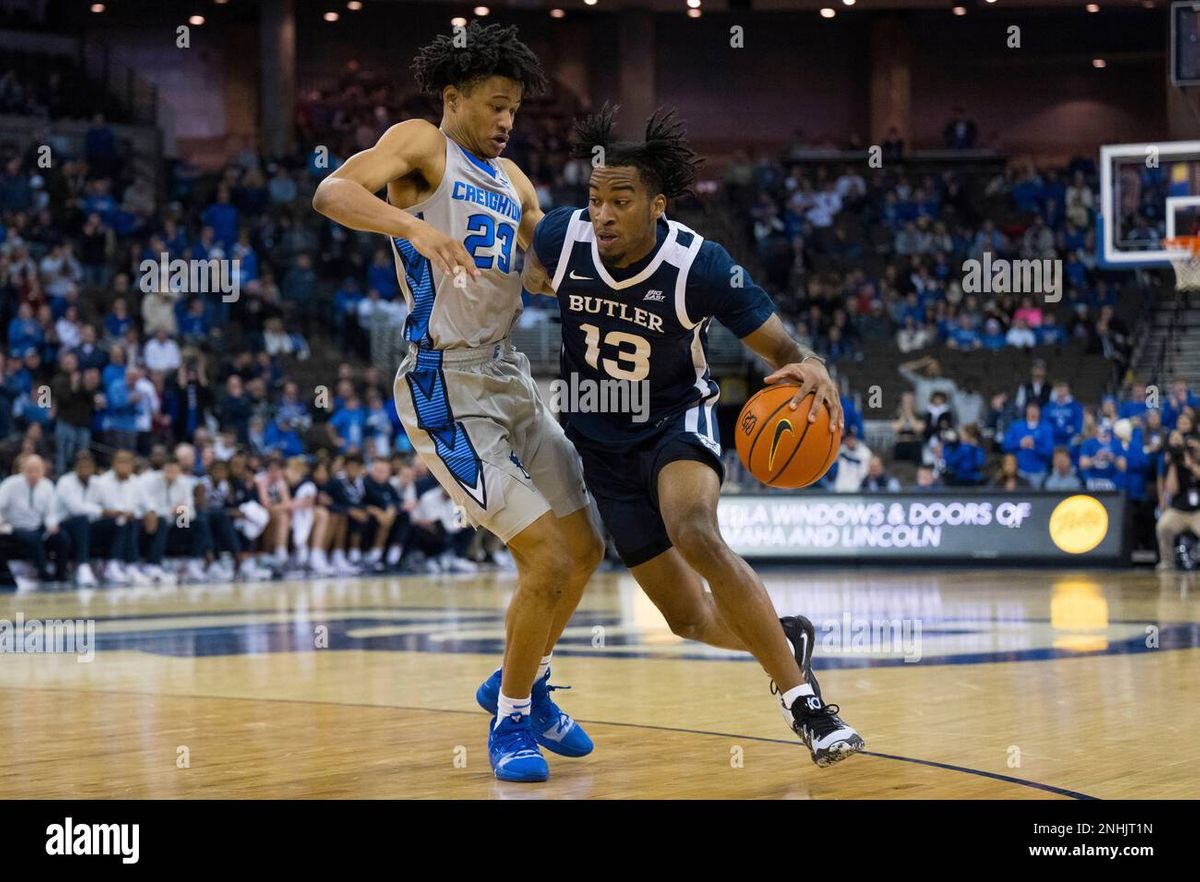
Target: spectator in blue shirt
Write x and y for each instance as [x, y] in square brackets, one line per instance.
[378, 424]
[222, 216]
[382, 275]
[193, 327]
[347, 426]
[1031, 441]
[1063, 414]
[851, 416]
[964, 335]
[1050, 332]
[24, 332]
[1181, 397]
[965, 459]
[993, 335]
[1133, 449]
[1135, 405]
[281, 437]
[121, 409]
[117, 321]
[1102, 460]
[243, 252]
[235, 408]
[115, 368]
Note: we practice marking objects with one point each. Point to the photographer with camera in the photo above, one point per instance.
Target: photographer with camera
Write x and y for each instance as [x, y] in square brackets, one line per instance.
[1181, 493]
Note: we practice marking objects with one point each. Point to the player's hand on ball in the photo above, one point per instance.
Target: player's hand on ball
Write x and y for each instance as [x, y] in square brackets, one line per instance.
[444, 252]
[813, 379]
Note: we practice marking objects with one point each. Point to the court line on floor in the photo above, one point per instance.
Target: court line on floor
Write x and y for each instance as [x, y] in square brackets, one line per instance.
[1008, 779]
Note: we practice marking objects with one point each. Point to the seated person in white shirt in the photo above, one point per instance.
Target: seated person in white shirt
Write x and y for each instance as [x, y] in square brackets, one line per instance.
[118, 493]
[28, 504]
[437, 534]
[77, 491]
[170, 504]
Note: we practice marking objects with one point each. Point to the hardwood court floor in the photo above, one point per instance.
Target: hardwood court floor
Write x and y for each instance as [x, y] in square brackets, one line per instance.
[1030, 685]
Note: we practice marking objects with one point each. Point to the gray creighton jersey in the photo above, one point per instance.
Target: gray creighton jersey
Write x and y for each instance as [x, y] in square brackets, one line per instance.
[477, 204]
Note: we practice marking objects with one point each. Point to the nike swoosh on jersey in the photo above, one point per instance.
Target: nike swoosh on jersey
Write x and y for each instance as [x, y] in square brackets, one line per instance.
[579, 278]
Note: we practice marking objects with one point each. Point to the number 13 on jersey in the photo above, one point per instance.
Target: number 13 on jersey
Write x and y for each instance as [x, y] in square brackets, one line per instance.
[631, 364]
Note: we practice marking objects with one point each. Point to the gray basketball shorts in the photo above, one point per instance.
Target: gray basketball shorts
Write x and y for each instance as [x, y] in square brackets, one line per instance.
[477, 420]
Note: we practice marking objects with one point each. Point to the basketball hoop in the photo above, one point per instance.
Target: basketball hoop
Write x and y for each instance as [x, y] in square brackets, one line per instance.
[1185, 258]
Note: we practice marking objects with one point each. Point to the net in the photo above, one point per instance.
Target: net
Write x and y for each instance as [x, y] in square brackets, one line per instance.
[1185, 258]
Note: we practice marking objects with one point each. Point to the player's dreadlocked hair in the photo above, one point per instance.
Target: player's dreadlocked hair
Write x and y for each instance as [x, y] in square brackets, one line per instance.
[666, 163]
[489, 50]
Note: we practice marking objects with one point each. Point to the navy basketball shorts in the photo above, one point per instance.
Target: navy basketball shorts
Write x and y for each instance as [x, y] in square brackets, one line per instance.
[624, 483]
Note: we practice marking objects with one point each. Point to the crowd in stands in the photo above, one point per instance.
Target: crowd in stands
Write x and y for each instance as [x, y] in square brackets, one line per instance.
[107, 363]
[858, 256]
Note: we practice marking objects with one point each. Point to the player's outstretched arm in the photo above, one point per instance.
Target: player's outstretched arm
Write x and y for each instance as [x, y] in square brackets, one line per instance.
[348, 195]
[531, 210]
[534, 277]
[796, 364]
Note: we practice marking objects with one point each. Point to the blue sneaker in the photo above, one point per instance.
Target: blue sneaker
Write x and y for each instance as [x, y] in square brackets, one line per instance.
[553, 728]
[513, 753]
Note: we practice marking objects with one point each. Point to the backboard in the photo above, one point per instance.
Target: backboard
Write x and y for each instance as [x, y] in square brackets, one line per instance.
[1148, 193]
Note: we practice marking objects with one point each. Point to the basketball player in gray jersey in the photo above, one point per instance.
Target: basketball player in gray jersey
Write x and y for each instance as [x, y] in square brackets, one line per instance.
[456, 215]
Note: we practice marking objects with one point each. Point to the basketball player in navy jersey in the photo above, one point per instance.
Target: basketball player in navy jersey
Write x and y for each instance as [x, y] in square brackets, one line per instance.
[455, 213]
[636, 293]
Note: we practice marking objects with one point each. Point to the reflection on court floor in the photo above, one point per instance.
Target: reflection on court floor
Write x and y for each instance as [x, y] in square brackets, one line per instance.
[965, 684]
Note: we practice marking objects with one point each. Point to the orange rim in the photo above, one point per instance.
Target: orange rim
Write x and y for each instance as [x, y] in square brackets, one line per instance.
[1190, 244]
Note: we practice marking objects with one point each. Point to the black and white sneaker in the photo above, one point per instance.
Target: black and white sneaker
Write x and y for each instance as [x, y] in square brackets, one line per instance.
[822, 730]
[803, 637]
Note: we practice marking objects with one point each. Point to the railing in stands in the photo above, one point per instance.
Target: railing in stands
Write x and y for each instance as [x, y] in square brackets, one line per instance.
[1162, 367]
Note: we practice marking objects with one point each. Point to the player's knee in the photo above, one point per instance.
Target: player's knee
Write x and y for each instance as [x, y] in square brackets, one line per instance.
[697, 538]
[547, 568]
[587, 551]
[687, 626]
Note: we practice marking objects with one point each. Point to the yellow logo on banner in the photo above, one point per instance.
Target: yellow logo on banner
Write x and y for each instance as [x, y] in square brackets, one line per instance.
[1078, 524]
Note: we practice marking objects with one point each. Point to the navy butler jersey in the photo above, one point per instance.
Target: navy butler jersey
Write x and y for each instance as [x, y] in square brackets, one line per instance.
[643, 328]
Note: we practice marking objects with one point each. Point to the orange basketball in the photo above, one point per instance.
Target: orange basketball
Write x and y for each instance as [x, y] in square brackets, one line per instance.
[778, 445]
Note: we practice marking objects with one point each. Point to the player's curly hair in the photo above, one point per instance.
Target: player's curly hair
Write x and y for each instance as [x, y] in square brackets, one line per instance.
[665, 161]
[489, 50]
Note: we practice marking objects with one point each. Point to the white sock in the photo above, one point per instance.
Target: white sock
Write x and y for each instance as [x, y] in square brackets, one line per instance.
[302, 554]
[544, 666]
[281, 553]
[339, 556]
[794, 693]
[318, 557]
[355, 555]
[506, 707]
[374, 555]
[393, 555]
